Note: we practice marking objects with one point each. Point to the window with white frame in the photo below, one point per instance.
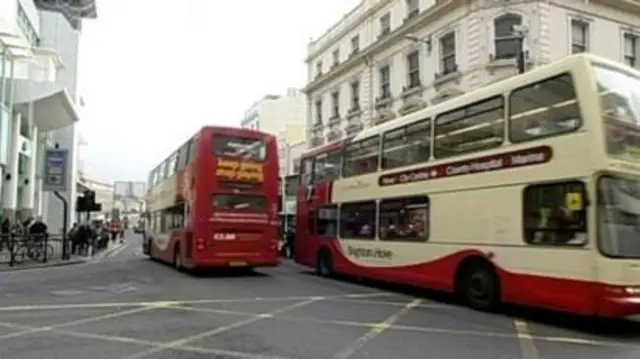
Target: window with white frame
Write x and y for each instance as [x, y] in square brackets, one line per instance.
[355, 94]
[335, 104]
[413, 7]
[413, 69]
[631, 49]
[336, 57]
[318, 111]
[385, 82]
[579, 36]
[507, 43]
[385, 24]
[448, 53]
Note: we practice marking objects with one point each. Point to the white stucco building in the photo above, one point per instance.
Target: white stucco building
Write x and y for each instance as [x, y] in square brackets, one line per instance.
[39, 41]
[387, 58]
[282, 116]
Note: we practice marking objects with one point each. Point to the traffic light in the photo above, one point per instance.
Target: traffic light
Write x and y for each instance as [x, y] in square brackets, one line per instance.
[87, 203]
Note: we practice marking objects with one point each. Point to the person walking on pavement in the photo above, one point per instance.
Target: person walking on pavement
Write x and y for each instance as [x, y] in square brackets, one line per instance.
[5, 234]
[73, 237]
[289, 239]
[83, 236]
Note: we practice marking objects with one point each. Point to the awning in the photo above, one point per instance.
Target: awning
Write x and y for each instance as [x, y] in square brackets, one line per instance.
[52, 111]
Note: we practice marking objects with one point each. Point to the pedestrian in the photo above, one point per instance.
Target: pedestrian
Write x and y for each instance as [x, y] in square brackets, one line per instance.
[38, 228]
[73, 237]
[289, 239]
[5, 234]
[83, 238]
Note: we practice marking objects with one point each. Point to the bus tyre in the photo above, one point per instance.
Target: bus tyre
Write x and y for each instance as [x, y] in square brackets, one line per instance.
[324, 263]
[479, 286]
[177, 261]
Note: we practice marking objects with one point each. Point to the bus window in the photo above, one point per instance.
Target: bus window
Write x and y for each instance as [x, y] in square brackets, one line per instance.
[306, 172]
[407, 146]
[183, 155]
[238, 147]
[235, 202]
[476, 127]
[171, 166]
[327, 166]
[152, 177]
[358, 220]
[361, 157]
[327, 222]
[404, 219]
[548, 217]
[544, 109]
[619, 217]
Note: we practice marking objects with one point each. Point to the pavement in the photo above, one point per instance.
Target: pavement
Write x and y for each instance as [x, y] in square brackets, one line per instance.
[54, 258]
[123, 306]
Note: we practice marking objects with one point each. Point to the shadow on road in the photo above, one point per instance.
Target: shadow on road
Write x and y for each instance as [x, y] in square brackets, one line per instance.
[225, 273]
[622, 328]
[217, 273]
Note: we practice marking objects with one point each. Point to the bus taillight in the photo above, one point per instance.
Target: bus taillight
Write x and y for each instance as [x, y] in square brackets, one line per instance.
[200, 244]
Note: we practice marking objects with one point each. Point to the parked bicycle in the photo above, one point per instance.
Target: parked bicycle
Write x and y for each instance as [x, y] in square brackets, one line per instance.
[32, 250]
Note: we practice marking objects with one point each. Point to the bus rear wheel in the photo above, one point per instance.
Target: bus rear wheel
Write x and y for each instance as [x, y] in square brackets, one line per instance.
[479, 286]
[177, 260]
[324, 263]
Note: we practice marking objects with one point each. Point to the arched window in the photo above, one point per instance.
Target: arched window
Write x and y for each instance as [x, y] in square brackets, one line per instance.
[507, 43]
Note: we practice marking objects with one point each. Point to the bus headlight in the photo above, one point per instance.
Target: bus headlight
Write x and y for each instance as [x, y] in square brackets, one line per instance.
[632, 290]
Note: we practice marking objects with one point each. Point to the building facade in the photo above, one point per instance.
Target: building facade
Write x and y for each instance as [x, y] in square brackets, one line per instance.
[39, 42]
[387, 58]
[281, 116]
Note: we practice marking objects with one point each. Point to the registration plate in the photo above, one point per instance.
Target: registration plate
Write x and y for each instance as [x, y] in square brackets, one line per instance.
[237, 264]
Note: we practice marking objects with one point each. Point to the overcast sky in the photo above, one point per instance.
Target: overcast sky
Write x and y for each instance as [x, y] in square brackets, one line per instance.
[153, 71]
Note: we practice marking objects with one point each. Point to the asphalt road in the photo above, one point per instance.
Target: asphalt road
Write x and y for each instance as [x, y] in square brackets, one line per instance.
[126, 307]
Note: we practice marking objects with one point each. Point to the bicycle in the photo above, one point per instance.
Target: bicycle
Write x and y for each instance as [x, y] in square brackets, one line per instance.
[32, 251]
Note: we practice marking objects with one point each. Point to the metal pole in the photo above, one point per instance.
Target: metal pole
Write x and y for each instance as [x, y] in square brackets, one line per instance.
[284, 188]
[65, 220]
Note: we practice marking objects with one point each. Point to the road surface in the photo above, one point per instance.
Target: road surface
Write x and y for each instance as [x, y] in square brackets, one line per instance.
[126, 307]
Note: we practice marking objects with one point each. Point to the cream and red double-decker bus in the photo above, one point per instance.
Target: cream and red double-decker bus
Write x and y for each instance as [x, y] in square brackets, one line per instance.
[526, 191]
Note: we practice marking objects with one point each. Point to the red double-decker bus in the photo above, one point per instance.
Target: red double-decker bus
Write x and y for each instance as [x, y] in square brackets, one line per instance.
[214, 202]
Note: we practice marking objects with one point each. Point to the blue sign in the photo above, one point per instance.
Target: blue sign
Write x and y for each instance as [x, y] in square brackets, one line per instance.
[56, 170]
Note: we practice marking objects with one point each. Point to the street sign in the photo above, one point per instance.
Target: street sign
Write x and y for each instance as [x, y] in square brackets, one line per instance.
[56, 170]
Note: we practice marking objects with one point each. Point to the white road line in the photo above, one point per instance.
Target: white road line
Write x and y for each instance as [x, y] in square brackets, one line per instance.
[525, 339]
[378, 329]
[223, 329]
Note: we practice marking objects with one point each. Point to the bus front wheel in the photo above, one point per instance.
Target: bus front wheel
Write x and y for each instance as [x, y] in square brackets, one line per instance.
[478, 285]
[324, 263]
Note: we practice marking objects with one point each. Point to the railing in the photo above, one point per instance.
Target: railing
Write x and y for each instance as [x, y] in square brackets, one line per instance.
[26, 249]
[18, 249]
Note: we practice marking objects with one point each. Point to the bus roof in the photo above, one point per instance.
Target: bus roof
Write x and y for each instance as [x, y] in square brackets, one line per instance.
[494, 89]
[235, 131]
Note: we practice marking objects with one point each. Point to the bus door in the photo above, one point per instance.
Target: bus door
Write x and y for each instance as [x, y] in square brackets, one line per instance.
[618, 201]
[305, 214]
[314, 209]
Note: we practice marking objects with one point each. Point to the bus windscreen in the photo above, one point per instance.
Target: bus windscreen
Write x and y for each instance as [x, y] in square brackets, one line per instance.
[620, 101]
